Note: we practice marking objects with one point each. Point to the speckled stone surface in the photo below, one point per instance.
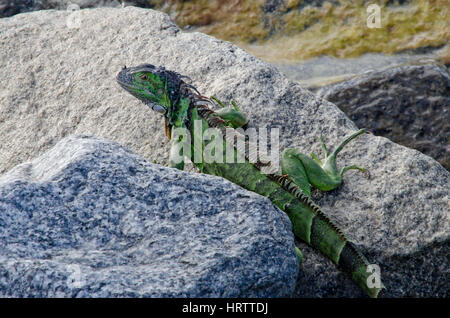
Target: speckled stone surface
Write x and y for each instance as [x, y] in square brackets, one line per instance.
[91, 219]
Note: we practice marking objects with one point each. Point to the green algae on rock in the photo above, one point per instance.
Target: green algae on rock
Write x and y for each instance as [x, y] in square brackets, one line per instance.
[296, 30]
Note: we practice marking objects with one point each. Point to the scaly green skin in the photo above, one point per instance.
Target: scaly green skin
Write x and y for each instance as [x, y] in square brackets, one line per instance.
[165, 92]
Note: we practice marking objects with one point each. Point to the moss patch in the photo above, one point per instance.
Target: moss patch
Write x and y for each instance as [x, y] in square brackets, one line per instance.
[298, 31]
[237, 20]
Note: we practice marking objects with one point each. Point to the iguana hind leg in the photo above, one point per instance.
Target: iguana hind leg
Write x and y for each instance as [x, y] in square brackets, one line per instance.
[322, 174]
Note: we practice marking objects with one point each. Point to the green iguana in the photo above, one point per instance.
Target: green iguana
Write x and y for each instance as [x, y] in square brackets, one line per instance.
[167, 92]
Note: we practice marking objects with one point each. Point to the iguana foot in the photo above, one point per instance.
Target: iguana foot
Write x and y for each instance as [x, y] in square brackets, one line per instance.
[322, 174]
[231, 114]
[329, 164]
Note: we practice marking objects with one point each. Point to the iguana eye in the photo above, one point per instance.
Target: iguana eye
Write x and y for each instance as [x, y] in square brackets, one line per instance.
[159, 109]
[144, 77]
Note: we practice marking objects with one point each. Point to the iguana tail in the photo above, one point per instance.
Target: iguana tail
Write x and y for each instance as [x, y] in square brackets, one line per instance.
[319, 231]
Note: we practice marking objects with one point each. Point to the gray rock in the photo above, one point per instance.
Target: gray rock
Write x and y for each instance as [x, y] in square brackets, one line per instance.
[60, 81]
[409, 104]
[91, 219]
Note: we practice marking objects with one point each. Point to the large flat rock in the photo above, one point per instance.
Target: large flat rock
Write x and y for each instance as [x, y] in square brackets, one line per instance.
[91, 219]
[59, 81]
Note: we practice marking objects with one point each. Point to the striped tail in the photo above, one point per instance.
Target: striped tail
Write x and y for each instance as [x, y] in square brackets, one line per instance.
[320, 232]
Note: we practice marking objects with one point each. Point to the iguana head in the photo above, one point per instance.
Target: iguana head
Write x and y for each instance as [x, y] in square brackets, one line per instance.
[155, 86]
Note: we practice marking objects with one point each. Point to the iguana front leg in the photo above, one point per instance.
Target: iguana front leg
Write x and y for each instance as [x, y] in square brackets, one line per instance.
[306, 171]
[231, 114]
